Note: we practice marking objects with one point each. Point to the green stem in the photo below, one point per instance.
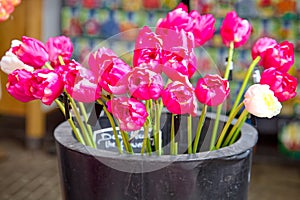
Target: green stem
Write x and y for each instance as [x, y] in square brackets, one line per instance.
[146, 132]
[126, 142]
[89, 128]
[228, 123]
[234, 128]
[229, 61]
[61, 60]
[172, 136]
[245, 82]
[113, 125]
[233, 139]
[219, 108]
[157, 133]
[189, 134]
[199, 128]
[60, 106]
[74, 128]
[47, 65]
[79, 120]
[215, 128]
[76, 131]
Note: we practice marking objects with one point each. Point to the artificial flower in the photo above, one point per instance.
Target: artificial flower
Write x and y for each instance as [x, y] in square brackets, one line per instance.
[212, 90]
[180, 98]
[10, 62]
[59, 46]
[281, 83]
[261, 102]
[280, 56]
[111, 70]
[235, 29]
[130, 113]
[145, 84]
[31, 52]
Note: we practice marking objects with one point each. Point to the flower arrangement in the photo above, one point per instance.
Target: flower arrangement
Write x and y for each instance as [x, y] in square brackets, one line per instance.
[164, 61]
[7, 7]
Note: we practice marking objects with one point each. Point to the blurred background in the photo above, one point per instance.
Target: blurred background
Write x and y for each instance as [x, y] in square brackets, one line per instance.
[28, 165]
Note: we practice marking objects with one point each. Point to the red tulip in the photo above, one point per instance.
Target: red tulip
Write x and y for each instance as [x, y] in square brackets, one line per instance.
[280, 56]
[59, 46]
[180, 98]
[19, 85]
[31, 52]
[130, 113]
[281, 83]
[235, 29]
[202, 27]
[212, 90]
[145, 84]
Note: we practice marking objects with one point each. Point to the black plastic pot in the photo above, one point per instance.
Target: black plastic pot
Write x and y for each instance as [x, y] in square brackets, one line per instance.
[92, 174]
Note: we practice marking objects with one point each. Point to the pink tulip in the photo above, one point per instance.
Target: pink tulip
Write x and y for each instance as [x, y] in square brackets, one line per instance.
[148, 49]
[235, 29]
[112, 71]
[69, 65]
[281, 83]
[19, 85]
[212, 90]
[261, 102]
[31, 52]
[47, 85]
[42, 84]
[59, 46]
[280, 56]
[261, 45]
[130, 113]
[180, 98]
[145, 84]
[82, 85]
[177, 68]
[182, 45]
[202, 27]
[101, 59]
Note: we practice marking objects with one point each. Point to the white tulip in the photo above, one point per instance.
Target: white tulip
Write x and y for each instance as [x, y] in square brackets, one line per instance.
[261, 102]
[11, 62]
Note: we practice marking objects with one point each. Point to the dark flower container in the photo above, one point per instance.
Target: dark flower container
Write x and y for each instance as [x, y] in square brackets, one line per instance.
[92, 174]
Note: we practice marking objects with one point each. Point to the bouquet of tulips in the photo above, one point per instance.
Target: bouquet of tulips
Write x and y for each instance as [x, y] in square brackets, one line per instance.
[163, 63]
